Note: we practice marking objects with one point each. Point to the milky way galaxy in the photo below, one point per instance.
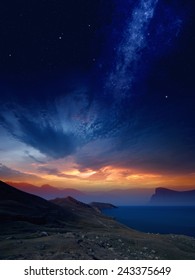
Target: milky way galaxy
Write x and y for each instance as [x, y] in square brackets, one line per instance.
[98, 93]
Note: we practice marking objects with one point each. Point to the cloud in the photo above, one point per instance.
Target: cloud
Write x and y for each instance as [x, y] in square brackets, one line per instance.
[63, 126]
[50, 171]
[7, 173]
[146, 151]
[45, 135]
[55, 172]
[34, 158]
[47, 139]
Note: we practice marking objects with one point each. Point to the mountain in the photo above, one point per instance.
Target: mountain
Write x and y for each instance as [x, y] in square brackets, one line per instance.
[89, 216]
[99, 206]
[115, 196]
[70, 202]
[16, 205]
[47, 191]
[165, 196]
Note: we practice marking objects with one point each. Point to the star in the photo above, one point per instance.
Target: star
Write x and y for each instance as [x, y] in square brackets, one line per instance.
[60, 37]
[166, 96]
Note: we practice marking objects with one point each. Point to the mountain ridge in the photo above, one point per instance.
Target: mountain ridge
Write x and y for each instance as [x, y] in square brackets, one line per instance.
[18, 205]
[114, 196]
[46, 191]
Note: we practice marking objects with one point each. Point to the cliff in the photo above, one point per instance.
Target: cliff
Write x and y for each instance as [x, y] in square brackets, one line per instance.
[165, 196]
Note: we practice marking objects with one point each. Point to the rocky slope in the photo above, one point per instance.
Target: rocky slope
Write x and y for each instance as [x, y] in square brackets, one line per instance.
[16, 205]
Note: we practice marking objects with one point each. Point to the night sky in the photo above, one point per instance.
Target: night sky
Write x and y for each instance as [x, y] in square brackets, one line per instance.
[98, 94]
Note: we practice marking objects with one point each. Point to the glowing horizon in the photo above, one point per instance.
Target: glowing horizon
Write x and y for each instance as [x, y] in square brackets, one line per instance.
[105, 178]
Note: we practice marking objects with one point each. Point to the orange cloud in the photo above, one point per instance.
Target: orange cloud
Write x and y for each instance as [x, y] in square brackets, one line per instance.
[108, 177]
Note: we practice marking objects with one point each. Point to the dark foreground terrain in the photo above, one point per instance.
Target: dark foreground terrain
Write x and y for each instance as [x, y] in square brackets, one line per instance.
[33, 228]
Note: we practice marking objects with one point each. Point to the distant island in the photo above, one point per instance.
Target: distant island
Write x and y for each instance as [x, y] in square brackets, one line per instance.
[164, 196]
[100, 206]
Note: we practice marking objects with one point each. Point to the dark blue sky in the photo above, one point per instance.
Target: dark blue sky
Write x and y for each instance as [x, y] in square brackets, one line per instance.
[107, 83]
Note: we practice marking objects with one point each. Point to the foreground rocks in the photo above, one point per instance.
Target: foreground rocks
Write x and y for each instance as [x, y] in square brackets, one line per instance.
[98, 245]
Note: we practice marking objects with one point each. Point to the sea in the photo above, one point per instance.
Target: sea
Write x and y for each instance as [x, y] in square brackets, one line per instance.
[156, 219]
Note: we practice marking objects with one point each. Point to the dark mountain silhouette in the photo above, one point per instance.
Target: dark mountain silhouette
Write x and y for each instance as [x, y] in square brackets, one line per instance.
[71, 202]
[100, 205]
[16, 205]
[165, 196]
[89, 216]
[115, 196]
[47, 191]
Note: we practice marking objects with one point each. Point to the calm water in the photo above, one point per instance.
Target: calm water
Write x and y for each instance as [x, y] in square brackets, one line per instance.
[178, 220]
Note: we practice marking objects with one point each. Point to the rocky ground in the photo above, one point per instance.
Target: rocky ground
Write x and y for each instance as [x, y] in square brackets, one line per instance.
[121, 243]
